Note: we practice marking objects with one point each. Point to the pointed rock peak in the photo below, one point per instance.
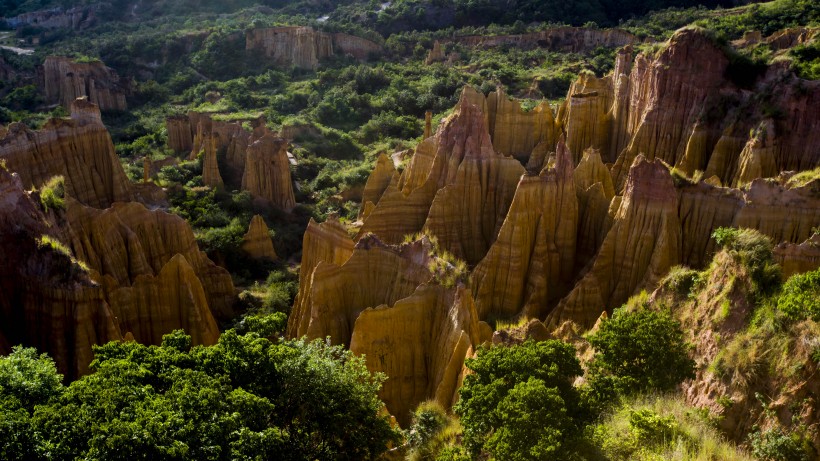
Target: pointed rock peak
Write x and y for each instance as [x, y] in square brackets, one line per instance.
[85, 111]
[467, 127]
[650, 180]
[469, 95]
[257, 242]
[563, 167]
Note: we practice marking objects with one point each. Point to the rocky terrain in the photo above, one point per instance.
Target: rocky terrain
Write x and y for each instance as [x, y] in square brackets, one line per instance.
[101, 266]
[65, 79]
[256, 161]
[304, 47]
[561, 216]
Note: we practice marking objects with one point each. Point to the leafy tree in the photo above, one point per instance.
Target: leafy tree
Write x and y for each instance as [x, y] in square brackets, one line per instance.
[643, 350]
[243, 398]
[26, 380]
[519, 402]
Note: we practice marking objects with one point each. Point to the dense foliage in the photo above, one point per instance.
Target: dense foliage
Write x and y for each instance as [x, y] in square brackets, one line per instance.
[243, 398]
[519, 403]
[644, 350]
[800, 298]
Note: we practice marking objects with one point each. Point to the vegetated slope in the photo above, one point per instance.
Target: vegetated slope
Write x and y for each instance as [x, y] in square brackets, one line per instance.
[755, 340]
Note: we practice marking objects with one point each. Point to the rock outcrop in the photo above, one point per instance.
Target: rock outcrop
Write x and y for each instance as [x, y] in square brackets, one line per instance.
[642, 245]
[79, 149]
[155, 305]
[210, 166]
[304, 47]
[458, 160]
[531, 263]
[47, 299]
[420, 343]
[798, 258]
[378, 181]
[65, 79]
[327, 242]
[382, 302]
[267, 172]
[257, 243]
[127, 242]
[465, 215]
[256, 161]
[561, 217]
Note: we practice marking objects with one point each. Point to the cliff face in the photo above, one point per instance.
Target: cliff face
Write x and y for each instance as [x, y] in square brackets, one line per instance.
[79, 149]
[465, 215]
[420, 343]
[210, 166]
[46, 299]
[128, 241]
[642, 245]
[514, 132]
[303, 47]
[531, 262]
[267, 172]
[378, 181]
[65, 80]
[690, 106]
[381, 301]
[458, 162]
[326, 242]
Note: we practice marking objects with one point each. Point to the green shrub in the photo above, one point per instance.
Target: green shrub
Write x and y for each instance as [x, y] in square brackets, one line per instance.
[53, 193]
[800, 298]
[775, 444]
[680, 280]
[644, 350]
[650, 427]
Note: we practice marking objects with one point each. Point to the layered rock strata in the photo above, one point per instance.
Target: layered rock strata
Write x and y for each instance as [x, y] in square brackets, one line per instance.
[304, 47]
[79, 149]
[531, 263]
[267, 172]
[65, 80]
[127, 241]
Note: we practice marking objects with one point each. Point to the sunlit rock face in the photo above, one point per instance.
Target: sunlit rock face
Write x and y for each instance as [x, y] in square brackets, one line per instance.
[688, 105]
[79, 149]
[65, 80]
[257, 243]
